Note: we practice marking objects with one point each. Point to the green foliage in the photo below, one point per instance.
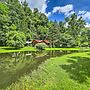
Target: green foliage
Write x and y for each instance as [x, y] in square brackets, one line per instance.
[85, 44]
[88, 36]
[75, 27]
[13, 27]
[65, 40]
[3, 9]
[4, 23]
[41, 46]
[53, 34]
[16, 39]
[36, 26]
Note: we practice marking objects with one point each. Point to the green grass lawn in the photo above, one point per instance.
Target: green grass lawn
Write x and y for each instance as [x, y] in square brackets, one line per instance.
[75, 49]
[12, 49]
[68, 72]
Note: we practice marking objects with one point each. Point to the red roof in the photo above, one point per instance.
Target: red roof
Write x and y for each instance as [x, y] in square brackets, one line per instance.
[46, 41]
[40, 41]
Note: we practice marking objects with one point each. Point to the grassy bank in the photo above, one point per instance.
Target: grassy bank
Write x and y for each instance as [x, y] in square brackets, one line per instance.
[12, 49]
[75, 49]
[69, 72]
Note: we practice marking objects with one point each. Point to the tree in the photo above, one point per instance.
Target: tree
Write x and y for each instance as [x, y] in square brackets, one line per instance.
[75, 26]
[53, 34]
[61, 27]
[16, 39]
[18, 18]
[65, 40]
[88, 36]
[4, 23]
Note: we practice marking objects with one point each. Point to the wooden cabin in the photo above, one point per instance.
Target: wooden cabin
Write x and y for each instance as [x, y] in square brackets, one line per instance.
[34, 42]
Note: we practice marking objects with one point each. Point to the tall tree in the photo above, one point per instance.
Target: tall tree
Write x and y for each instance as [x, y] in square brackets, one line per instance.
[53, 34]
[75, 26]
[4, 23]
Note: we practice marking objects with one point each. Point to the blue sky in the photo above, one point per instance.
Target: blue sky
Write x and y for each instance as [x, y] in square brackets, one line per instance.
[59, 9]
[80, 7]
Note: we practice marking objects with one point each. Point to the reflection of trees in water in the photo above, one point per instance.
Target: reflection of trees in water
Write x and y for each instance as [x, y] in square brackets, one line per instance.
[11, 68]
[57, 53]
[12, 61]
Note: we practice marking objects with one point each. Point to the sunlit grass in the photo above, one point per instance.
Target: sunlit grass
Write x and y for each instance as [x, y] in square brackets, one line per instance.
[75, 49]
[12, 49]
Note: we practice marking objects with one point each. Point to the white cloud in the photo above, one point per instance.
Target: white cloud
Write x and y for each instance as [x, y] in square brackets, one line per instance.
[87, 25]
[64, 9]
[81, 12]
[86, 16]
[40, 4]
[48, 14]
[69, 13]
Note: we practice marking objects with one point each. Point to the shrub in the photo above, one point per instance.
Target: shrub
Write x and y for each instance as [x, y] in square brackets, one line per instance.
[16, 39]
[41, 46]
[85, 44]
[65, 40]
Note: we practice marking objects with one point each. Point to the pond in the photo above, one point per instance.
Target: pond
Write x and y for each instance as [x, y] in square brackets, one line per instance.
[15, 65]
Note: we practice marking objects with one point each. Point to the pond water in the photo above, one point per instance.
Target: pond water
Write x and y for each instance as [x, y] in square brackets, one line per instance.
[15, 65]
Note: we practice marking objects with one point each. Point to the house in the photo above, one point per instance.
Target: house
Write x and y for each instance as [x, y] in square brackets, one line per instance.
[34, 42]
[46, 42]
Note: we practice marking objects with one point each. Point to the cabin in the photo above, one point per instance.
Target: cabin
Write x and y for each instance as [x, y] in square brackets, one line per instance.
[34, 42]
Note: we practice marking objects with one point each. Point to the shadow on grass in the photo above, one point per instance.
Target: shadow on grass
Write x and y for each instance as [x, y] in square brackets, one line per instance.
[78, 68]
[11, 48]
[88, 53]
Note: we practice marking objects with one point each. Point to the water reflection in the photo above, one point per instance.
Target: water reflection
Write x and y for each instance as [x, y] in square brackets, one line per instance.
[15, 65]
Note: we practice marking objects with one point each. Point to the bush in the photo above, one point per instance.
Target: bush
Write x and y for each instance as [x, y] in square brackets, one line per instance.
[65, 40]
[16, 39]
[41, 46]
[85, 44]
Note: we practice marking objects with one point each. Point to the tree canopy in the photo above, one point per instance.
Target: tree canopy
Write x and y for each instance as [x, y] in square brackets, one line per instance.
[19, 22]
